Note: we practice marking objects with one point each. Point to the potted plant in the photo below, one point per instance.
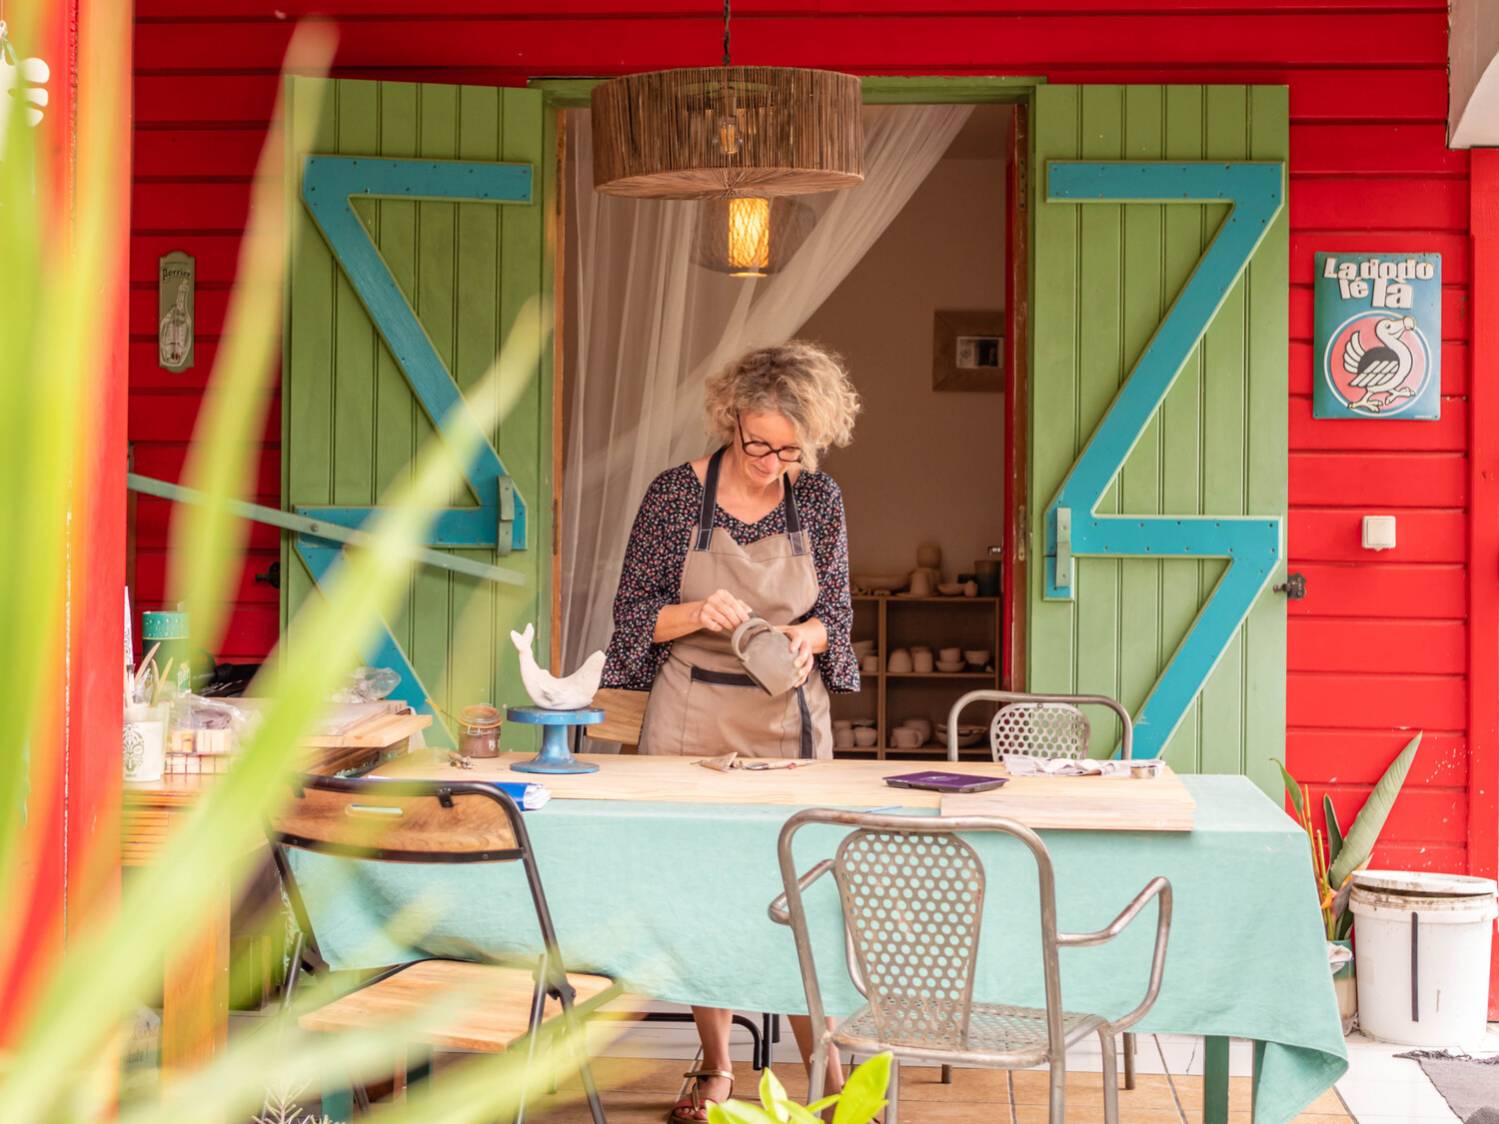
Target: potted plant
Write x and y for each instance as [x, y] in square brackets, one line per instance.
[1338, 855]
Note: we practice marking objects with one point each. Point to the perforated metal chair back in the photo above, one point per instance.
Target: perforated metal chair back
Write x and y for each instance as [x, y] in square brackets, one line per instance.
[1040, 725]
[1031, 729]
[913, 904]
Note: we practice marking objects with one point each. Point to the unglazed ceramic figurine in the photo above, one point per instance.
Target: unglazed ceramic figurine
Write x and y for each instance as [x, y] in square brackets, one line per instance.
[545, 689]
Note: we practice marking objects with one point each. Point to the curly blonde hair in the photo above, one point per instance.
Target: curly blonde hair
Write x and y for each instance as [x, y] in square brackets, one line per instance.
[804, 381]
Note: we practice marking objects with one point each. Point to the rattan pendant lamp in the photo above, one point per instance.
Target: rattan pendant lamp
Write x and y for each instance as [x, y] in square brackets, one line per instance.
[727, 131]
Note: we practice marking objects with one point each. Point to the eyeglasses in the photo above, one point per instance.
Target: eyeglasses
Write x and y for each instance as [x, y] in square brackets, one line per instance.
[790, 454]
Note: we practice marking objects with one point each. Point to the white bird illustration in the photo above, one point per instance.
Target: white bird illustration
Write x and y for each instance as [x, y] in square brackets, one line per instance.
[1380, 371]
[545, 689]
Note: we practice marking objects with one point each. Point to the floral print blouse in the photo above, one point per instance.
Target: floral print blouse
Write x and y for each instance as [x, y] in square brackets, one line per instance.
[652, 573]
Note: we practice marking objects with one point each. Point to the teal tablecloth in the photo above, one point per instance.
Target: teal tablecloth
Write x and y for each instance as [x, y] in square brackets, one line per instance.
[672, 898]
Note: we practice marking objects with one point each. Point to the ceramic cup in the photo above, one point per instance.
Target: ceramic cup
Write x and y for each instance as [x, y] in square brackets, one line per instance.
[977, 657]
[843, 738]
[145, 742]
[922, 724]
[900, 661]
[950, 654]
[921, 662]
[906, 738]
[863, 648]
[866, 736]
[766, 655]
[870, 665]
[970, 589]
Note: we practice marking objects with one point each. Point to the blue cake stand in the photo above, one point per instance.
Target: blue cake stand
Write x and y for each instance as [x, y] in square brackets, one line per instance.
[556, 732]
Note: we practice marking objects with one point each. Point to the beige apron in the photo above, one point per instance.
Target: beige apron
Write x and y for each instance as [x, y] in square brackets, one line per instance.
[702, 702]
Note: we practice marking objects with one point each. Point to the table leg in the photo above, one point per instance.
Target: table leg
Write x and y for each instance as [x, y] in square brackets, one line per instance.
[1215, 1081]
[195, 995]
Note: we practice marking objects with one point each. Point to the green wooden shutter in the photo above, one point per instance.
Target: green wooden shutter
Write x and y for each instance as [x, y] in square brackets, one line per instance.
[1105, 275]
[351, 422]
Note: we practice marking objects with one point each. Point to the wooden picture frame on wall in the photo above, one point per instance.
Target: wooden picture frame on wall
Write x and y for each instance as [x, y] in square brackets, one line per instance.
[968, 350]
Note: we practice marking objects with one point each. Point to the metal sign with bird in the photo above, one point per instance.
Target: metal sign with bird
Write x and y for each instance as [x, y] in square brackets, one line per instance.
[1378, 331]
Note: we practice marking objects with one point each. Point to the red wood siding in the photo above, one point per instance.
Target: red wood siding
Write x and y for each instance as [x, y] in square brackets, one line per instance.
[1379, 644]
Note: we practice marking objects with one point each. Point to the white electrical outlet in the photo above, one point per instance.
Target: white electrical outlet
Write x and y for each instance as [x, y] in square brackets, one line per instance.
[1379, 532]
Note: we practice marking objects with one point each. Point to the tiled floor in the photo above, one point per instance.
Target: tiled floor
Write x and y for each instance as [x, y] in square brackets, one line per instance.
[641, 1073]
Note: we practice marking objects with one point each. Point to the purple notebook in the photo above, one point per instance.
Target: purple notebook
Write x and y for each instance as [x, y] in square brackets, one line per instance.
[938, 781]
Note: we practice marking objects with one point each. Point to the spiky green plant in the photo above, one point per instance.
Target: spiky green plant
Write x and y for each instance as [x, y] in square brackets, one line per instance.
[1336, 856]
[60, 1062]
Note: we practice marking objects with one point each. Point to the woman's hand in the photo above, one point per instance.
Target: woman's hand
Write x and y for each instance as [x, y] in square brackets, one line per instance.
[722, 612]
[801, 649]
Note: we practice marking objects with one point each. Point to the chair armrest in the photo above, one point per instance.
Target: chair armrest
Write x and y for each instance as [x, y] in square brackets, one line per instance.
[1158, 888]
[778, 911]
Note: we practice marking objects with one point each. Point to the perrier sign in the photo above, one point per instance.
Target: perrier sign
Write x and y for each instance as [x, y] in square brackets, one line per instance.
[1377, 340]
[174, 310]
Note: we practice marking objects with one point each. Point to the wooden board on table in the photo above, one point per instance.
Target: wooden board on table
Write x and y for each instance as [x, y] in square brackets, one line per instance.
[1090, 803]
[374, 732]
[1084, 803]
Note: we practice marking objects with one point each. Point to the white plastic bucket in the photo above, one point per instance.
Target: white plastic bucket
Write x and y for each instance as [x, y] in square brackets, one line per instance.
[1421, 943]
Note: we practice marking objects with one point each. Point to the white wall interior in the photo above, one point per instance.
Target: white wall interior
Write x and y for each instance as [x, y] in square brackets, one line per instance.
[1473, 74]
[925, 465]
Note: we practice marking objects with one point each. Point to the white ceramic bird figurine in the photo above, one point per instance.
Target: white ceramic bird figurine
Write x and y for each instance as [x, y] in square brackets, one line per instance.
[545, 689]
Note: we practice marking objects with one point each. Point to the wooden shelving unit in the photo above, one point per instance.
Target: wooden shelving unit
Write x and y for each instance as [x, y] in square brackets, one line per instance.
[891, 697]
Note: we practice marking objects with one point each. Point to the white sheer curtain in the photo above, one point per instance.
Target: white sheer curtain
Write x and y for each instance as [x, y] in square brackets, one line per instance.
[648, 326]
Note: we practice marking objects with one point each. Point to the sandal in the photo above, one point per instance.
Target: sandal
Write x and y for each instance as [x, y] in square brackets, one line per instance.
[690, 1108]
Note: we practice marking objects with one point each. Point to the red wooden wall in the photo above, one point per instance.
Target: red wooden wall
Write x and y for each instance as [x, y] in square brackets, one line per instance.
[1381, 643]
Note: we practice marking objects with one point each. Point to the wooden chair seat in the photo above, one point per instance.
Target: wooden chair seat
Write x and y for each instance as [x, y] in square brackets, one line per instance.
[494, 1003]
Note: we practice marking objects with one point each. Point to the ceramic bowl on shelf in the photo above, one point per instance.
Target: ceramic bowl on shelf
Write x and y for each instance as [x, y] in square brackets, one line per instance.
[971, 735]
[880, 583]
[865, 736]
[921, 660]
[950, 654]
[857, 722]
[977, 658]
[950, 667]
[899, 662]
[922, 724]
[951, 589]
[870, 665]
[863, 648]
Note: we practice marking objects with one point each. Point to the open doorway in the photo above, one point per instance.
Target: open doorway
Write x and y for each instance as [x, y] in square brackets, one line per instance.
[921, 316]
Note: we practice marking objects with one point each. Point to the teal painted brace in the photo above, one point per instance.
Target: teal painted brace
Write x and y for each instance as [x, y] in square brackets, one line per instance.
[329, 184]
[1073, 528]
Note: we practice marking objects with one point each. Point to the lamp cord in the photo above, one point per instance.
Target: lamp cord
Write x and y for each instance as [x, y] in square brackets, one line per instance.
[726, 33]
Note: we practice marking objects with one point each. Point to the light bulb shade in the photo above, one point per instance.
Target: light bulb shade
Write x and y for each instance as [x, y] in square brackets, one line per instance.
[737, 130]
[750, 236]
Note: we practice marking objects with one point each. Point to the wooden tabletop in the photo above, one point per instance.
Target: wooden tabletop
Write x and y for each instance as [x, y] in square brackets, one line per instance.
[1084, 803]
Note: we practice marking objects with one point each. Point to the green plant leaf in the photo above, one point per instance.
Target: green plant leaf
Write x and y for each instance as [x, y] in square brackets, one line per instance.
[801, 1115]
[825, 1102]
[738, 1112]
[1358, 844]
[1334, 833]
[864, 1092]
[1293, 790]
[773, 1094]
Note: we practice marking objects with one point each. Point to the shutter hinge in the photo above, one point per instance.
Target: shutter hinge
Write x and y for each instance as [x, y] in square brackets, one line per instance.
[504, 540]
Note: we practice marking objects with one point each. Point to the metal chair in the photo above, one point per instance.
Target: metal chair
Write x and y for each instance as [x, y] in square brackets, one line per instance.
[913, 893]
[1046, 726]
[1039, 725]
[435, 822]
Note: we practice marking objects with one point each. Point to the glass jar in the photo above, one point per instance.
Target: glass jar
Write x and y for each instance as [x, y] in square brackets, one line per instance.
[479, 731]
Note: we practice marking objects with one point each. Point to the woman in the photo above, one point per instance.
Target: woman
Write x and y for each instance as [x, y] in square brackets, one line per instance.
[752, 530]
